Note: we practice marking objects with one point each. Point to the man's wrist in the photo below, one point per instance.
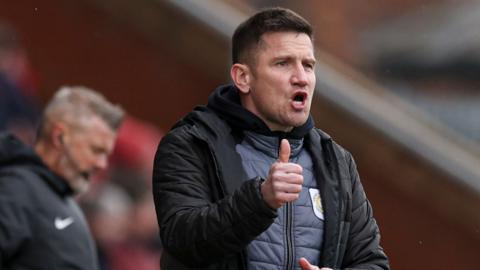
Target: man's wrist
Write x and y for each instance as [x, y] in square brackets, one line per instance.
[259, 182]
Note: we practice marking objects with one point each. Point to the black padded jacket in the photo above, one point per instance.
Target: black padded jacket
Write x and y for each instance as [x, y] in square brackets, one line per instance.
[208, 213]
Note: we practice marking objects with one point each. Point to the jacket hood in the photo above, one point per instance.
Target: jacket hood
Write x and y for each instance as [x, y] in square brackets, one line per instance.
[14, 153]
[225, 102]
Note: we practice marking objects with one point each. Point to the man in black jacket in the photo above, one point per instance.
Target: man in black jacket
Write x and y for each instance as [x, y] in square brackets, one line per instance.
[41, 226]
[247, 182]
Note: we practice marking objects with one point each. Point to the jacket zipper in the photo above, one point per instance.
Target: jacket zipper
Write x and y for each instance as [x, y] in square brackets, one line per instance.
[289, 236]
[288, 216]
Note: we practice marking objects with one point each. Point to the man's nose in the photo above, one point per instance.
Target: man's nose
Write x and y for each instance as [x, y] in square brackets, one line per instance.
[102, 162]
[299, 76]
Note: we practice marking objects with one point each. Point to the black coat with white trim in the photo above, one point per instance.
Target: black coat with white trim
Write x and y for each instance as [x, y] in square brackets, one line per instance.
[41, 226]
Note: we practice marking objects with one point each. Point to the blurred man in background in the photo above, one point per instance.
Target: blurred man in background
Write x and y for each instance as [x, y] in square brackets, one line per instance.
[247, 182]
[19, 108]
[41, 226]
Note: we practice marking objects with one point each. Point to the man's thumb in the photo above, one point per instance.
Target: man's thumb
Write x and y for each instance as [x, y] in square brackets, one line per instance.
[284, 154]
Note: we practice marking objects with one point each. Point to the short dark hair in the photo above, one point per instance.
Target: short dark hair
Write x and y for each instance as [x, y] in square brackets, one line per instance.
[248, 34]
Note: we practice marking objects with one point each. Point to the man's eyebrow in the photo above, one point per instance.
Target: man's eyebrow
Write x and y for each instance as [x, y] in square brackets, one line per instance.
[288, 57]
[285, 56]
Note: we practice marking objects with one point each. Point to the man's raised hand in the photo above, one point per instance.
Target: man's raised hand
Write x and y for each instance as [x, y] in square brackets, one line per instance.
[284, 181]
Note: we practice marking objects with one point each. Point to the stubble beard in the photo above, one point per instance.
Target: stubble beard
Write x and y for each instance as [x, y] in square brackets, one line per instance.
[75, 180]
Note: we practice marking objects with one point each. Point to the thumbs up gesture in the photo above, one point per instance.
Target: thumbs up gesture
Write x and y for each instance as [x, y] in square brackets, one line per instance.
[284, 153]
[284, 181]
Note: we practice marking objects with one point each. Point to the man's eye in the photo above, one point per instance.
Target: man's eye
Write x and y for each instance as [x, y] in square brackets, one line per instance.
[97, 150]
[308, 66]
[282, 63]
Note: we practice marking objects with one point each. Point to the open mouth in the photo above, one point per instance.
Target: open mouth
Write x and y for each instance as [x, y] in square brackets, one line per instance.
[300, 97]
[299, 100]
[85, 175]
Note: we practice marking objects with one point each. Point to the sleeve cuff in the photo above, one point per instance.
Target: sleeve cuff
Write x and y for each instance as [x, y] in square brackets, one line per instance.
[264, 207]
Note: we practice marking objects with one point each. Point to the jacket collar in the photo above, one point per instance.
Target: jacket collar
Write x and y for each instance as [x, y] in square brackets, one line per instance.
[225, 101]
[15, 154]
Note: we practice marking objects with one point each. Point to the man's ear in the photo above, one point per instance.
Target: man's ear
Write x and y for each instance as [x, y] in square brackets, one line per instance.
[241, 77]
[56, 134]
